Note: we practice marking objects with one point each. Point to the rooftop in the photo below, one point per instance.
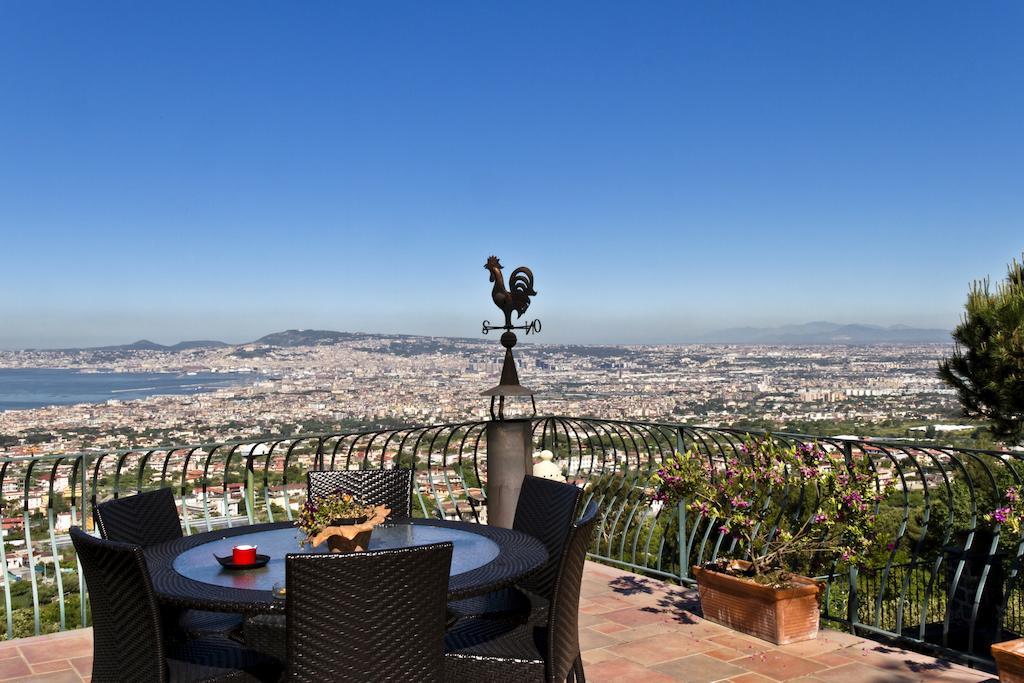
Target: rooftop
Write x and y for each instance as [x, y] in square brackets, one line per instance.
[632, 628]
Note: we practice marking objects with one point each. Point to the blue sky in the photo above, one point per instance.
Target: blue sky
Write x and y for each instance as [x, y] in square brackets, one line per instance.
[222, 170]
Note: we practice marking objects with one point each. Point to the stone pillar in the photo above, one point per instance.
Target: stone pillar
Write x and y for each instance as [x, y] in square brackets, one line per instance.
[509, 459]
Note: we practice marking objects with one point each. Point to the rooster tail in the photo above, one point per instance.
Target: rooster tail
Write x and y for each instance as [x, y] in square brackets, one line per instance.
[521, 280]
[520, 285]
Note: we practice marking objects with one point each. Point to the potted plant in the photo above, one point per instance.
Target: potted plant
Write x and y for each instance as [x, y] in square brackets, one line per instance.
[341, 520]
[779, 504]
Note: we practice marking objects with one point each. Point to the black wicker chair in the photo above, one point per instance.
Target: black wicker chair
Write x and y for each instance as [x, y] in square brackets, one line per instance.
[128, 643]
[377, 615]
[546, 510]
[487, 649]
[392, 487]
[149, 518]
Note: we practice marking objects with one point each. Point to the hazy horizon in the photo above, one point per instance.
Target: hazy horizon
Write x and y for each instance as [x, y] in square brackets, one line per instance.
[696, 338]
[187, 170]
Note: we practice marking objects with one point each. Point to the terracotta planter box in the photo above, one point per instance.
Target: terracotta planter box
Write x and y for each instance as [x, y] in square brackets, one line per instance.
[779, 616]
[1009, 656]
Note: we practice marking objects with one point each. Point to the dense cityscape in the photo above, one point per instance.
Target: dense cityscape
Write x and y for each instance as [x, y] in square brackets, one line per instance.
[308, 381]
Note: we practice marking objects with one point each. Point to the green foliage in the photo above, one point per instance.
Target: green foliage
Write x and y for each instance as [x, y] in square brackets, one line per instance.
[781, 502]
[987, 365]
[317, 515]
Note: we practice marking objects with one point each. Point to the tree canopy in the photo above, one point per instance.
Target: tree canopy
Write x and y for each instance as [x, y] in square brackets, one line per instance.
[987, 364]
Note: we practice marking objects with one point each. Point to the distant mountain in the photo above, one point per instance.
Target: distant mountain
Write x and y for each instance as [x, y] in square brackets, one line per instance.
[146, 345]
[827, 333]
[308, 338]
[197, 344]
[141, 345]
[404, 344]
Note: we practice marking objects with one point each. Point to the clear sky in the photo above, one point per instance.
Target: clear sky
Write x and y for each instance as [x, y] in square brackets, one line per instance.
[227, 169]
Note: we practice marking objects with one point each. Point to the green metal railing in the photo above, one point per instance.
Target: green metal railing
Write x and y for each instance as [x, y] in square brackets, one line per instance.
[945, 583]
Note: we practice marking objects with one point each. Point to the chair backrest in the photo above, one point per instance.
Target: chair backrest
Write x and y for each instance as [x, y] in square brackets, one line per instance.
[368, 616]
[143, 519]
[546, 510]
[563, 634]
[392, 487]
[127, 636]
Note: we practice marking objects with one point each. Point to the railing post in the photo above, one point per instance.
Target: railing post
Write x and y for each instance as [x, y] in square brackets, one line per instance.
[509, 459]
[250, 492]
[684, 556]
[83, 593]
[852, 606]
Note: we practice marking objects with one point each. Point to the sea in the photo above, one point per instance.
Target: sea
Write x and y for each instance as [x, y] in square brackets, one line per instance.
[22, 388]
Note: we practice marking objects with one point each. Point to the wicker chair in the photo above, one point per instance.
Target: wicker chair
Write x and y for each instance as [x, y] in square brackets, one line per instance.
[128, 643]
[546, 510]
[149, 518]
[392, 487]
[377, 615]
[487, 649]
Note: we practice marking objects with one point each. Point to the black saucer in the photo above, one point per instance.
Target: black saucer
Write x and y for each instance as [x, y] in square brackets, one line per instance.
[228, 562]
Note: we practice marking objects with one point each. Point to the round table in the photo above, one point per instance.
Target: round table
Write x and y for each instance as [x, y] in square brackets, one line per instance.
[185, 571]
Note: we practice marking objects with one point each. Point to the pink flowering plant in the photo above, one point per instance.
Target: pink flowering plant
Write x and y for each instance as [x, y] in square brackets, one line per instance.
[1009, 515]
[779, 501]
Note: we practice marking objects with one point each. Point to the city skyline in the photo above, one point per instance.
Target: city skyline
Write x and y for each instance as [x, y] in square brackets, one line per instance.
[186, 170]
[815, 333]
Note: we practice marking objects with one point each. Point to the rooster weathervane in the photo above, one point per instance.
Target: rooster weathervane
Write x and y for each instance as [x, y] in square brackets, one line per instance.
[514, 299]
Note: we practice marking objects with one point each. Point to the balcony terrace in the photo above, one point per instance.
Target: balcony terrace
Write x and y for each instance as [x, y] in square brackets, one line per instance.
[945, 588]
[632, 628]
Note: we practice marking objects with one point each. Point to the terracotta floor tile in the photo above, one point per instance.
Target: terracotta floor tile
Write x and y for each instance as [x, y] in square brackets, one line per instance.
[609, 627]
[831, 659]
[597, 607]
[55, 665]
[725, 654]
[13, 668]
[750, 678]
[597, 656]
[590, 619]
[83, 665]
[811, 648]
[862, 673]
[614, 670]
[698, 669]
[662, 648]
[894, 659]
[612, 602]
[705, 630]
[643, 632]
[841, 637]
[740, 642]
[779, 666]
[66, 676]
[590, 639]
[44, 652]
[636, 617]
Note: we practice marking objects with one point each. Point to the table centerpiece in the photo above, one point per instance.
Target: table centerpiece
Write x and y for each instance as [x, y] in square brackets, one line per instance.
[341, 520]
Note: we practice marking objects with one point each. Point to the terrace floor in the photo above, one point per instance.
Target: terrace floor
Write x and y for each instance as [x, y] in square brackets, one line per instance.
[631, 629]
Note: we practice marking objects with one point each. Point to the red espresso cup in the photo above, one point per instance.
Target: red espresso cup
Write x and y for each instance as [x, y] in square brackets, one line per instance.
[244, 554]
